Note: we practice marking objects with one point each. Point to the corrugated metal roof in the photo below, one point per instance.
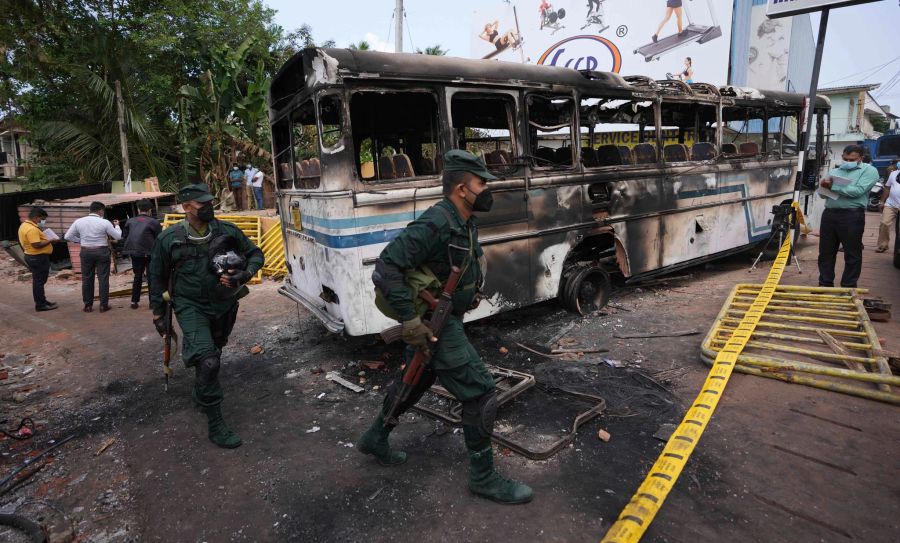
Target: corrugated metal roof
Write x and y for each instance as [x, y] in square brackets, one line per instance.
[849, 88]
[108, 199]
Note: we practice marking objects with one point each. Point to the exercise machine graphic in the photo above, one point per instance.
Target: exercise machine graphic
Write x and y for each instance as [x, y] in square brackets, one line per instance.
[595, 18]
[691, 33]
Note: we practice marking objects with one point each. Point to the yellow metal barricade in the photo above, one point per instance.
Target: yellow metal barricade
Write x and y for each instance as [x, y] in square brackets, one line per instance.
[272, 246]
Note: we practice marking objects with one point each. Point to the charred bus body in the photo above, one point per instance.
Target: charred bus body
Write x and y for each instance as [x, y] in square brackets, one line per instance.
[599, 174]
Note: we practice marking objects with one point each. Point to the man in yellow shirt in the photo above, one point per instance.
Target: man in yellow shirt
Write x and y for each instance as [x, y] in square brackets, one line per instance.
[37, 250]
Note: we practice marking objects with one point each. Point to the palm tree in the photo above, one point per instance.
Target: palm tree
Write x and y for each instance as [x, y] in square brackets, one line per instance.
[363, 45]
[434, 50]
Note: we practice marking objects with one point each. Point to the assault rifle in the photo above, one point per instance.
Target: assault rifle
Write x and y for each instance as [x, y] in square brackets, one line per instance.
[441, 309]
[170, 331]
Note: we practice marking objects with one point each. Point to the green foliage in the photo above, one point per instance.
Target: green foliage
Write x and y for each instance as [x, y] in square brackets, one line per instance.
[361, 46]
[881, 124]
[434, 50]
[59, 62]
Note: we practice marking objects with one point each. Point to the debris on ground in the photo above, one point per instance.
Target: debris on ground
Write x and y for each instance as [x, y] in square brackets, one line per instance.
[603, 435]
[665, 432]
[256, 349]
[655, 333]
[334, 377]
[372, 364]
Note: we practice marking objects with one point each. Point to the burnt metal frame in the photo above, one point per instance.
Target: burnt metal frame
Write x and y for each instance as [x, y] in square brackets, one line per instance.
[507, 391]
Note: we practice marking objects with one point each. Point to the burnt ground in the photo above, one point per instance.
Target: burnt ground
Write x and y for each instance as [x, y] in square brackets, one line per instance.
[778, 462]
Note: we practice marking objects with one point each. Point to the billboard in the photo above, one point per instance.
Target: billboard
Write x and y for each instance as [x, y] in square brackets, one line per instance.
[769, 51]
[784, 8]
[676, 39]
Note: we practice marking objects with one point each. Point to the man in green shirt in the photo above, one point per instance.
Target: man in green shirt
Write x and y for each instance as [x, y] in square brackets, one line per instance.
[185, 272]
[844, 218]
[445, 236]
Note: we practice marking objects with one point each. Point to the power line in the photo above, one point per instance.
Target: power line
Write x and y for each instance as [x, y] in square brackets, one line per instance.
[875, 68]
[408, 33]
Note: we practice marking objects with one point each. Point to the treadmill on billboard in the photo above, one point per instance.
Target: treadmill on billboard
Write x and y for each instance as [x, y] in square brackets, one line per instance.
[688, 40]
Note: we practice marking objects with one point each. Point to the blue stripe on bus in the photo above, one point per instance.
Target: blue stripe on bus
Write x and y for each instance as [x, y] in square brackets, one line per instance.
[359, 222]
[353, 240]
[752, 228]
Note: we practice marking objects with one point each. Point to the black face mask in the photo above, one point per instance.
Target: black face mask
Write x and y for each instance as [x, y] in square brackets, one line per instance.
[206, 213]
[484, 201]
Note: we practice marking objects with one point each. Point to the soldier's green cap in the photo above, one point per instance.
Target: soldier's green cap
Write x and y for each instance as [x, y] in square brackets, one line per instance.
[198, 192]
[458, 160]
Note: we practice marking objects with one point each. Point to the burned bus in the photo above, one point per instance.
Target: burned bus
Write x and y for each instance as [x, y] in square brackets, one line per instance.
[599, 174]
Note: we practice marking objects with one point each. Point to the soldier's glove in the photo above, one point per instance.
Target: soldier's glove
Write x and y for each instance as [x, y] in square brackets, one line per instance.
[238, 278]
[160, 323]
[418, 335]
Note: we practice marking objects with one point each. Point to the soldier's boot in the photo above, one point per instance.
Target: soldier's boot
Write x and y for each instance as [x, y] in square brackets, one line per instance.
[375, 442]
[484, 481]
[219, 433]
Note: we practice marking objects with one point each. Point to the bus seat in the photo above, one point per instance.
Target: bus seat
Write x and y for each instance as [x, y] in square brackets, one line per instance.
[286, 173]
[426, 166]
[298, 170]
[729, 149]
[386, 168]
[563, 155]
[675, 152]
[703, 151]
[645, 153]
[547, 156]
[367, 170]
[315, 167]
[589, 157]
[507, 158]
[403, 166]
[305, 168]
[749, 148]
[627, 158]
[608, 155]
[495, 158]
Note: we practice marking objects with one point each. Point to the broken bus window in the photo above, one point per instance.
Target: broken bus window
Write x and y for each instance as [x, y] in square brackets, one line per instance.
[611, 130]
[395, 134]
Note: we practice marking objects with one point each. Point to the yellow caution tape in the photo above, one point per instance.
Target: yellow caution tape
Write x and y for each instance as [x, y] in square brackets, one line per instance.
[801, 219]
[640, 511]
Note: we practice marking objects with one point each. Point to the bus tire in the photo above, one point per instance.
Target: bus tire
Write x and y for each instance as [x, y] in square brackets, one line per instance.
[587, 289]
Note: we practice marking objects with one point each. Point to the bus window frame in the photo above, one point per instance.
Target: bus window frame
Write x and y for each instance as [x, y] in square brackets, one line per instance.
[286, 119]
[341, 143]
[512, 98]
[695, 103]
[418, 181]
[573, 133]
[753, 107]
[655, 100]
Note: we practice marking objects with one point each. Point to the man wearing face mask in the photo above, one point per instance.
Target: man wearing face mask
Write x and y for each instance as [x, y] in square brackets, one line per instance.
[444, 236]
[205, 299]
[37, 249]
[844, 218]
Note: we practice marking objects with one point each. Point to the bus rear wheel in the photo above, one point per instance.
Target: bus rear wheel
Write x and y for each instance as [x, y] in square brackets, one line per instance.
[587, 289]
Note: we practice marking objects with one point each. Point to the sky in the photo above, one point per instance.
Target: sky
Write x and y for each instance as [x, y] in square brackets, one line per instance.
[860, 45]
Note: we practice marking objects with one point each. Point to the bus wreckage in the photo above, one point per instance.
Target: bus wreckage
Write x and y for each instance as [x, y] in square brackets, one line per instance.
[600, 174]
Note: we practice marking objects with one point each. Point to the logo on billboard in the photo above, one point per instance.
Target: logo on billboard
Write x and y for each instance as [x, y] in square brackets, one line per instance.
[584, 53]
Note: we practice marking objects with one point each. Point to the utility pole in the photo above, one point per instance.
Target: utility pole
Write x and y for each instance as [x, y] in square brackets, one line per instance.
[398, 29]
[123, 137]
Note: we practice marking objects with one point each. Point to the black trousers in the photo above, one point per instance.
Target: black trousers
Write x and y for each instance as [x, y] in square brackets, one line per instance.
[139, 266]
[94, 261]
[841, 227]
[40, 271]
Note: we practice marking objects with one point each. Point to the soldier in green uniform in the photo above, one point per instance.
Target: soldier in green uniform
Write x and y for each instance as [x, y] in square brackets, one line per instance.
[204, 294]
[445, 235]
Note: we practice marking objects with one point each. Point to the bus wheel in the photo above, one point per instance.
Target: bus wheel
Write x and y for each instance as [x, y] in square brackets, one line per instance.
[587, 289]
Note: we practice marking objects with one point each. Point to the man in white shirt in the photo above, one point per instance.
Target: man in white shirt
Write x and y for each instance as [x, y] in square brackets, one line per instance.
[92, 233]
[257, 184]
[890, 209]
